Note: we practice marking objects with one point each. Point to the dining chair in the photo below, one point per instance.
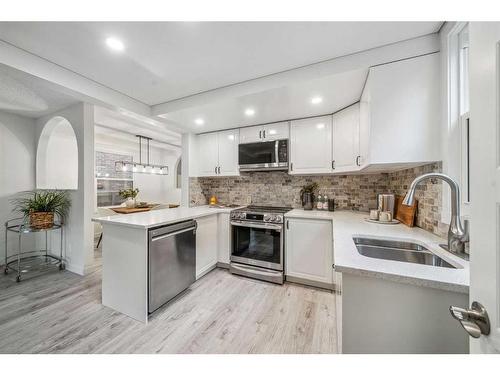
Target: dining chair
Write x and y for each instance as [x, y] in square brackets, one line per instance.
[101, 212]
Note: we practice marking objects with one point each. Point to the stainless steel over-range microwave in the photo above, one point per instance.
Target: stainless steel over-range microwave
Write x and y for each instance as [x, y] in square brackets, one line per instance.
[260, 156]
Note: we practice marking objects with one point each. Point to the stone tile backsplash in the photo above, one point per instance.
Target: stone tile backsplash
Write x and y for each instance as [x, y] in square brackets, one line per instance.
[351, 192]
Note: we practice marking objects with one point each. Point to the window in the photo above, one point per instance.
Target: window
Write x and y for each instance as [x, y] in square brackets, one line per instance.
[464, 118]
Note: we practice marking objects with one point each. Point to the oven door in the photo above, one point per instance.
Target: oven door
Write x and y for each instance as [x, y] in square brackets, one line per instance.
[263, 155]
[257, 244]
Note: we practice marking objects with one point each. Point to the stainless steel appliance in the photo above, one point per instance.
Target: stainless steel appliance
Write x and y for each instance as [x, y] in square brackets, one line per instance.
[172, 262]
[260, 156]
[258, 242]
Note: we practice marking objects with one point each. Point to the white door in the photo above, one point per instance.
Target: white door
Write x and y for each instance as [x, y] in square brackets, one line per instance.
[484, 77]
[309, 250]
[346, 139]
[279, 130]
[207, 154]
[206, 244]
[251, 134]
[228, 153]
[311, 146]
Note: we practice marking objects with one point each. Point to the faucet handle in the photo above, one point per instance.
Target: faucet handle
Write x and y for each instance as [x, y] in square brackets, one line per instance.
[466, 230]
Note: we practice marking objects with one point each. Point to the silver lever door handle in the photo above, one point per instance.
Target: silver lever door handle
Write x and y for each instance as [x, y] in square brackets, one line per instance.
[474, 320]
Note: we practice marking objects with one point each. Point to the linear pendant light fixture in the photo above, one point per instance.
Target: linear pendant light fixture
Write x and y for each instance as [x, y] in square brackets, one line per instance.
[140, 167]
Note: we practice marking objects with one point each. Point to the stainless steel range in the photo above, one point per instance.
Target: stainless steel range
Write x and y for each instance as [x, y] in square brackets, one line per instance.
[258, 242]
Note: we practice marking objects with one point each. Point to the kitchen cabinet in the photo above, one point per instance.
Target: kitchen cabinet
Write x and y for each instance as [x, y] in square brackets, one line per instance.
[224, 233]
[311, 145]
[261, 133]
[400, 114]
[217, 154]
[206, 244]
[346, 139]
[309, 251]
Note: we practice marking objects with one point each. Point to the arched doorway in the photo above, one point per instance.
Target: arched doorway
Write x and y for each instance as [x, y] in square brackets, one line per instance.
[57, 156]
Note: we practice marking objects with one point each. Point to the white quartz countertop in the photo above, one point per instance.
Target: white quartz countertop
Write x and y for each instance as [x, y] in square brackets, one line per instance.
[155, 218]
[347, 224]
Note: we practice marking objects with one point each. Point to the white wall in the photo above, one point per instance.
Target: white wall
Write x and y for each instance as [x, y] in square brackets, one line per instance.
[79, 229]
[17, 168]
[152, 188]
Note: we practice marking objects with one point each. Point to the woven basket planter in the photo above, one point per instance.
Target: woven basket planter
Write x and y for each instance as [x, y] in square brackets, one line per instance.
[42, 220]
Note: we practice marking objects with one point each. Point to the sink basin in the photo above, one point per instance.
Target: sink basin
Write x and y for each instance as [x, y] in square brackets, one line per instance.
[400, 251]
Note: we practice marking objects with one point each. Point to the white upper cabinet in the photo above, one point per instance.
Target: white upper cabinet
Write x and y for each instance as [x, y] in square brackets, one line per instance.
[311, 145]
[278, 130]
[207, 154]
[346, 139]
[228, 153]
[261, 133]
[400, 113]
[217, 154]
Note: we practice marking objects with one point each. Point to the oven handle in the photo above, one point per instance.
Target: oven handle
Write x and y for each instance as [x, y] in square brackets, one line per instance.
[276, 227]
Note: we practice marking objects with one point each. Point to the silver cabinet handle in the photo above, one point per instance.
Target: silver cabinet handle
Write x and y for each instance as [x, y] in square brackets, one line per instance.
[219, 169]
[291, 166]
[264, 134]
[215, 169]
[333, 164]
[474, 320]
[288, 224]
[260, 134]
[357, 160]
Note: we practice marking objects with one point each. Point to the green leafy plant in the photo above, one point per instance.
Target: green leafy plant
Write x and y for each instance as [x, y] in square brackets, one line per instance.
[129, 193]
[311, 188]
[55, 201]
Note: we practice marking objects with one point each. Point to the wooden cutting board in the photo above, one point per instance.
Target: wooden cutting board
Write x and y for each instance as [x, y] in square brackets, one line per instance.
[406, 214]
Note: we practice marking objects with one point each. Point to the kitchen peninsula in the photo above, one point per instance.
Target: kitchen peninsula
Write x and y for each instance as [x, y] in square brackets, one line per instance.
[125, 272]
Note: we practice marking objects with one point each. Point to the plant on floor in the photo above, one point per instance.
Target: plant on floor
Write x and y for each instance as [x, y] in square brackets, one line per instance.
[40, 206]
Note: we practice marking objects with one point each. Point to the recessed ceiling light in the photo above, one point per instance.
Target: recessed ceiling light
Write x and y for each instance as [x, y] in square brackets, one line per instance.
[316, 100]
[249, 111]
[115, 44]
[199, 121]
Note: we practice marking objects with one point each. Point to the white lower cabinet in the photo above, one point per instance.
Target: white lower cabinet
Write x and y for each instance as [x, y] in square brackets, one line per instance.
[206, 244]
[224, 232]
[309, 251]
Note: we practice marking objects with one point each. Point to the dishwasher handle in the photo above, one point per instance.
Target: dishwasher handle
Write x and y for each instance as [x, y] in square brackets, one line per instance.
[172, 230]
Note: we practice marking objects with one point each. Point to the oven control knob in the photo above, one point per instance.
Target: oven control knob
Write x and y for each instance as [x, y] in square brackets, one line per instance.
[278, 219]
[267, 218]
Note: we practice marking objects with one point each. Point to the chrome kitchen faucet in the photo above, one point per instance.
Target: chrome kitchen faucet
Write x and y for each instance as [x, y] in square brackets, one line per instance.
[457, 235]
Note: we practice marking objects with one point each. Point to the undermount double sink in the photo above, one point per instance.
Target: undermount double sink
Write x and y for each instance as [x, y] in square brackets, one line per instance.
[400, 251]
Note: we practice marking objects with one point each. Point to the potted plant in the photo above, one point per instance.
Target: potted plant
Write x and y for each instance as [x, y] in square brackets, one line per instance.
[129, 195]
[40, 206]
[307, 195]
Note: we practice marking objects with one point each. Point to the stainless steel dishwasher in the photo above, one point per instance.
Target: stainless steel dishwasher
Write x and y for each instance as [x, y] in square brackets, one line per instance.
[172, 262]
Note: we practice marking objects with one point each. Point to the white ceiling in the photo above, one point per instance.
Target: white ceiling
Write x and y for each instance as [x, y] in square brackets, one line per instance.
[294, 101]
[164, 61]
[125, 125]
[25, 95]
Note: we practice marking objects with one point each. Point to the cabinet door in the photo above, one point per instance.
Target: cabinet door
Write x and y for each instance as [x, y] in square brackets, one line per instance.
[228, 153]
[251, 134]
[279, 130]
[364, 133]
[224, 230]
[346, 139]
[309, 250]
[311, 145]
[206, 244]
[207, 154]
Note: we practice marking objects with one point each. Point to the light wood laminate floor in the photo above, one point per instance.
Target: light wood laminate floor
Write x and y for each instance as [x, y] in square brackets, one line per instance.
[61, 312]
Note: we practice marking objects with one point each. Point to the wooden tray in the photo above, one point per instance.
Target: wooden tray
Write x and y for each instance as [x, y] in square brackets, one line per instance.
[126, 210]
[405, 214]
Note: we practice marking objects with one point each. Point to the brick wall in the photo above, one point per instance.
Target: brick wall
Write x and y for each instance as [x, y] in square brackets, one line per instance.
[351, 192]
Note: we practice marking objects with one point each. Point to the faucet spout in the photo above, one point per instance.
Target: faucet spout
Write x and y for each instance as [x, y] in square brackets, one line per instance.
[457, 236]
